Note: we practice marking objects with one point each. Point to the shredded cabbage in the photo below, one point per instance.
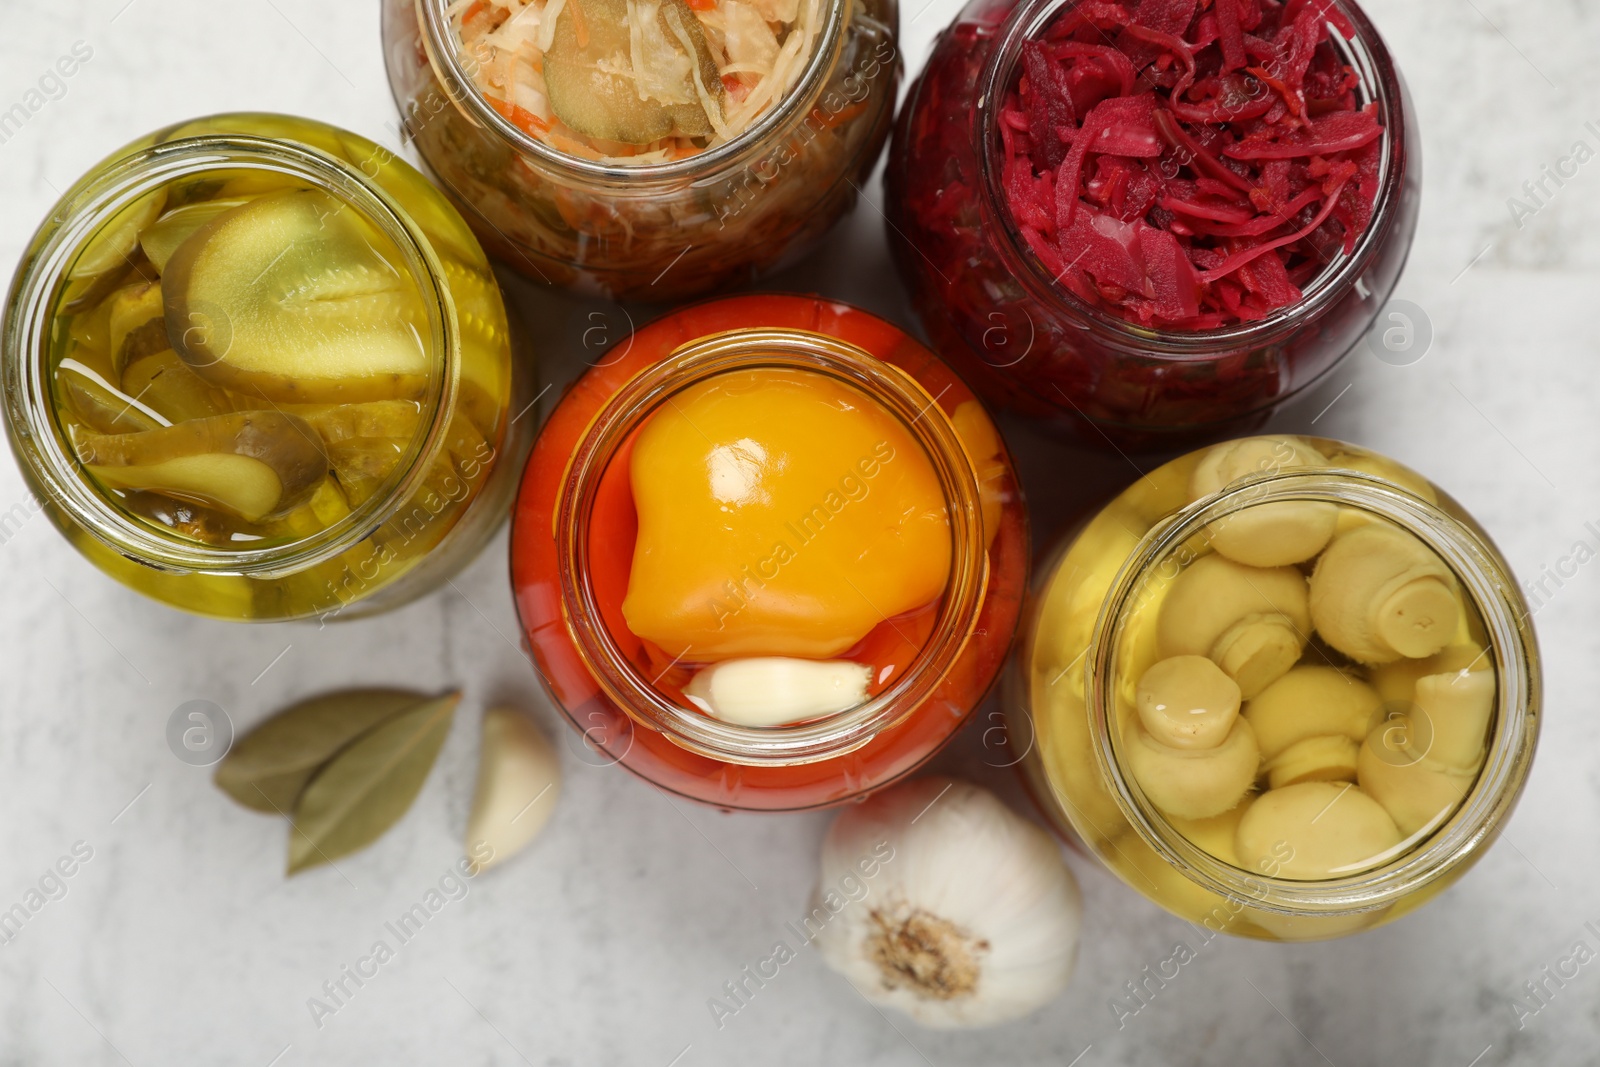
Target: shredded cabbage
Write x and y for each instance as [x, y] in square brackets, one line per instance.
[506, 41]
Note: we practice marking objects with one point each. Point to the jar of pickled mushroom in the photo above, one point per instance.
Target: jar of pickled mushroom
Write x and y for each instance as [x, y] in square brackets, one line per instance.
[258, 368]
[648, 151]
[1284, 687]
[1153, 222]
[769, 553]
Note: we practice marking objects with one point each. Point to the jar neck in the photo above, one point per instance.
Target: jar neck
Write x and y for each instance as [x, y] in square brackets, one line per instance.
[635, 693]
[1504, 613]
[1380, 84]
[453, 69]
[30, 330]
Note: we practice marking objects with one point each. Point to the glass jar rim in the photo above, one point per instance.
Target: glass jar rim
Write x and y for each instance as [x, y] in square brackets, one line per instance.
[1475, 821]
[444, 56]
[77, 216]
[699, 360]
[1379, 76]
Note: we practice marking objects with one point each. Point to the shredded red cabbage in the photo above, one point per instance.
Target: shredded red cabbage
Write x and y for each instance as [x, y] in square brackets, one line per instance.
[1189, 164]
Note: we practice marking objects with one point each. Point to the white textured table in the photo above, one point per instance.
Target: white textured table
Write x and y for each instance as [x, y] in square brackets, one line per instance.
[181, 943]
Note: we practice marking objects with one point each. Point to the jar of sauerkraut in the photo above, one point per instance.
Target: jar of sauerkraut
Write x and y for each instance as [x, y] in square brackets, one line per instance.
[645, 149]
[1284, 687]
[257, 368]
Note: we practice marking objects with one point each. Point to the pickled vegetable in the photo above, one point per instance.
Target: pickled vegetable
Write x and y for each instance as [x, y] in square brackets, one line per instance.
[635, 81]
[781, 513]
[287, 298]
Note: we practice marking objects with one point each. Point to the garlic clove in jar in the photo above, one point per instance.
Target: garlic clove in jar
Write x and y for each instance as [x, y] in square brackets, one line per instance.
[1264, 535]
[944, 904]
[519, 781]
[777, 690]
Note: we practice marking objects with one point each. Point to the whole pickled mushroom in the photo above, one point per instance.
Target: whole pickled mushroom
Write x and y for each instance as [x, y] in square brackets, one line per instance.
[1310, 724]
[1273, 534]
[1379, 594]
[1422, 764]
[1189, 750]
[1378, 467]
[1314, 830]
[1251, 621]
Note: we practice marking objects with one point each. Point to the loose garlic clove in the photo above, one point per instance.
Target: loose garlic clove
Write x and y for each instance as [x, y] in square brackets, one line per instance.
[1379, 594]
[1314, 759]
[1396, 682]
[1264, 535]
[1251, 621]
[1315, 830]
[1188, 702]
[777, 690]
[1194, 783]
[1311, 702]
[519, 781]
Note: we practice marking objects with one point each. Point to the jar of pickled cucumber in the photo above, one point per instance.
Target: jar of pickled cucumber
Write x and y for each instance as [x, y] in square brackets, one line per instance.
[258, 368]
[1284, 687]
[650, 151]
[769, 553]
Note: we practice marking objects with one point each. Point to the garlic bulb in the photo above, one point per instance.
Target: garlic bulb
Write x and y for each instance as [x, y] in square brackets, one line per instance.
[973, 918]
[519, 779]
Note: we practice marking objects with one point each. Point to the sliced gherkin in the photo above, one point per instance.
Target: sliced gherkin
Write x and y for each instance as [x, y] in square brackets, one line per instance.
[164, 383]
[163, 236]
[252, 464]
[289, 298]
[631, 80]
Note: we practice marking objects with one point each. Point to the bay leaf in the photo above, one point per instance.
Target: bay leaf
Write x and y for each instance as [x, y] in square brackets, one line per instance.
[267, 768]
[368, 785]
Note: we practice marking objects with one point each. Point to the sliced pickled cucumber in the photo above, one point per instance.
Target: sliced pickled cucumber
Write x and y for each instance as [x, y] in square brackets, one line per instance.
[363, 464]
[378, 418]
[287, 298]
[252, 464]
[163, 236]
[111, 254]
[137, 325]
[164, 383]
[98, 405]
[195, 521]
[631, 79]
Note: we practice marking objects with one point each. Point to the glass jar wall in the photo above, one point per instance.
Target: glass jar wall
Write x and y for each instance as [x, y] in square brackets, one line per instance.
[1028, 340]
[1284, 687]
[667, 229]
[258, 368]
[786, 563]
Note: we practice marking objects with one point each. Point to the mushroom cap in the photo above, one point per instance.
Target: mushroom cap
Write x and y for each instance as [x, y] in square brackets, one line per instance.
[1315, 830]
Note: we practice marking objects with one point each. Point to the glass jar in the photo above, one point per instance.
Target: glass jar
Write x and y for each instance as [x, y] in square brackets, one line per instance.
[1102, 619]
[1026, 343]
[656, 232]
[571, 551]
[426, 505]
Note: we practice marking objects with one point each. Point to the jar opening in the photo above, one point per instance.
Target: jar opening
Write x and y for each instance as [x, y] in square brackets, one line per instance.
[629, 684]
[446, 56]
[1440, 847]
[1379, 84]
[31, 342]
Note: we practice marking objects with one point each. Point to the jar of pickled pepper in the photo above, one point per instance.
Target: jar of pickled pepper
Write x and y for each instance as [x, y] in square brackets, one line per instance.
[1284, 687]
[651, 151]
[258, 368]
[769, 553]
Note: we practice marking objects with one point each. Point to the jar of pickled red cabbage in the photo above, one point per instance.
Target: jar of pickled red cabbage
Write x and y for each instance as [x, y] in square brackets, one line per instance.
[258, 368]
[1153, 222]
[769, 553]
[651, 151]
[1284, 687]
